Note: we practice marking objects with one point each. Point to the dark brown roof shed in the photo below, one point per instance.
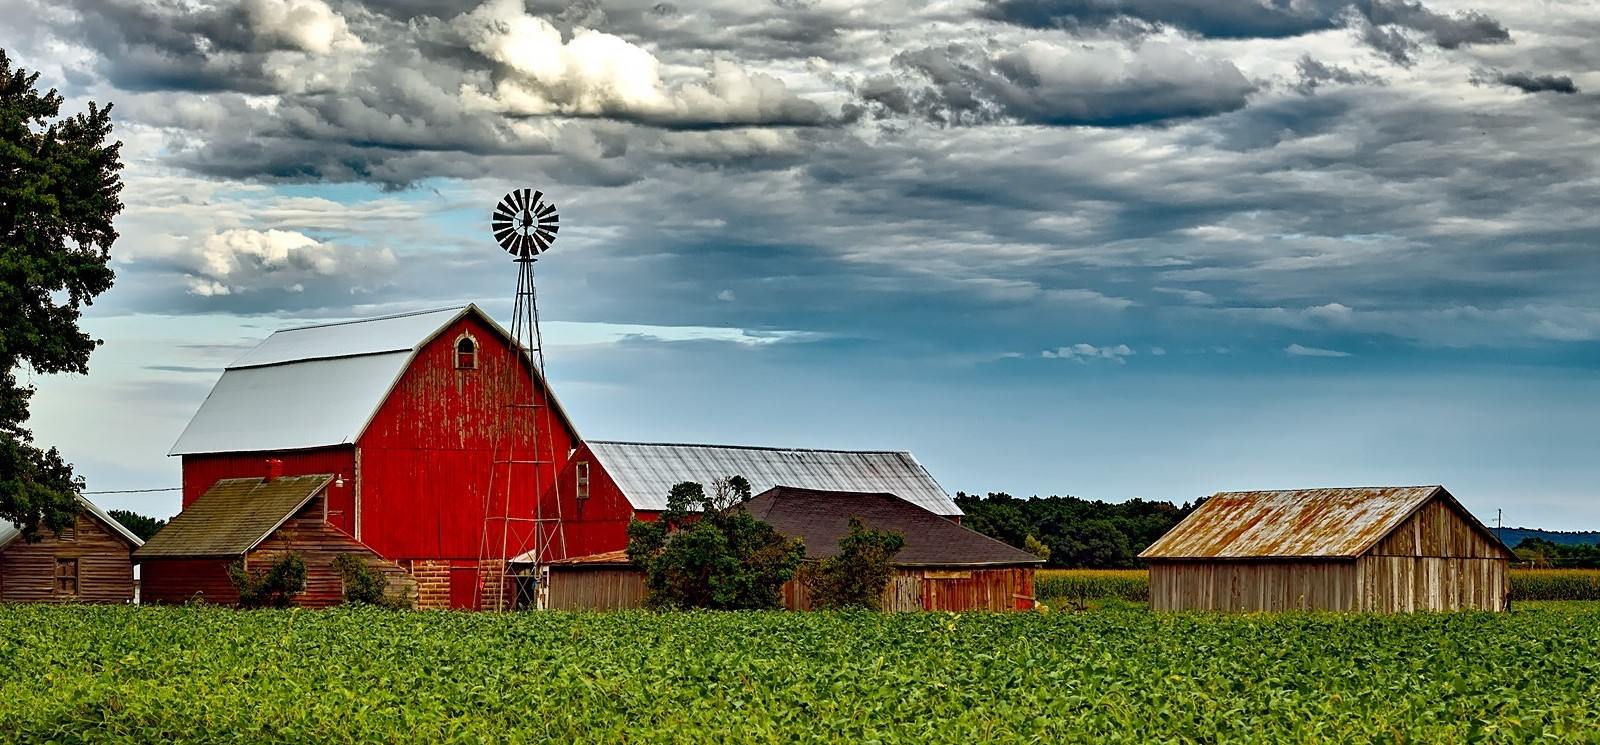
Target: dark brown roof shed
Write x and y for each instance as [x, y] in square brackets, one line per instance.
[821, 518]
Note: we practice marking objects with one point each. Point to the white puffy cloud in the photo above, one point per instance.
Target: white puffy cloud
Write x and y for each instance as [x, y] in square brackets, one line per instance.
[239, 260]
[306, 25]
[596, 74]
[1086, 352]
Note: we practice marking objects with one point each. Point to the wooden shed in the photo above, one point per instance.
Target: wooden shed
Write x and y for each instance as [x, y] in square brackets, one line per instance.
[1378, 549]
[943, 566]
[89, 562]
[255, 521]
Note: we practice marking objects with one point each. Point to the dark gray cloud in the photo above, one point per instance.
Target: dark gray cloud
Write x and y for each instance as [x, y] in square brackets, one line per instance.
[1042, 83]
[1530, 83]
[1394, 28]
[1313, 74]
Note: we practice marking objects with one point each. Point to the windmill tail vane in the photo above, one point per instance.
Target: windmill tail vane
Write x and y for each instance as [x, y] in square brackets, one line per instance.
[524, 224]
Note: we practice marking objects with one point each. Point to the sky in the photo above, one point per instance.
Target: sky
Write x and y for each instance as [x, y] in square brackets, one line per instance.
[1105, 248]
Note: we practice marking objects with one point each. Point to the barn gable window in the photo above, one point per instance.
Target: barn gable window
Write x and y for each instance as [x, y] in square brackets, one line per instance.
[67, 577]
[466, 353]
[582, 470]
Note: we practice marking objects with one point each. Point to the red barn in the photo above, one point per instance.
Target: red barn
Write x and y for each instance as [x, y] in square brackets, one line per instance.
[606, 484]
[406, 416]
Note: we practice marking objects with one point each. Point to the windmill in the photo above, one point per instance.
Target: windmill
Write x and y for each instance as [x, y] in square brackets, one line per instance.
[525, 225]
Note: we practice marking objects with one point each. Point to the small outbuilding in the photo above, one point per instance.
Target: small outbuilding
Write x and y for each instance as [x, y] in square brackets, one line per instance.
[255, 521]
[942, 567]
[88, 562]
[1377, 549]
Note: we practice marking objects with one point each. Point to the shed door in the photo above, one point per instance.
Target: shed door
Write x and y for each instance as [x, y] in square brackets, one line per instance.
[464, 585]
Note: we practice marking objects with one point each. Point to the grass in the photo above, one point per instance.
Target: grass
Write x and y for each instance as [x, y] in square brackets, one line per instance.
[74, 674]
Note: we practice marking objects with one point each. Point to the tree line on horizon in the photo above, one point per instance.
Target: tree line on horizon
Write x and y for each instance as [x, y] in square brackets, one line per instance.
[1070, 532]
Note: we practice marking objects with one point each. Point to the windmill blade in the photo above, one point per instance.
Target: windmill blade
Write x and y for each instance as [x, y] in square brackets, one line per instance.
[527, 204]
[545, 236]
[538, 196]
[545, 210]
[540, 242]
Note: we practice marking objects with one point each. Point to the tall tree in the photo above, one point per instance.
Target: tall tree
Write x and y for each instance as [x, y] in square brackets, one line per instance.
[59, 191]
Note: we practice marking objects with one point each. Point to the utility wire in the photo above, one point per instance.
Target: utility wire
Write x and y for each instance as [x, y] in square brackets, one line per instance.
[134, 491]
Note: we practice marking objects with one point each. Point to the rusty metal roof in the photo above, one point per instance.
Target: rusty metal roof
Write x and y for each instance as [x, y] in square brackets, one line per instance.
[618, 558]
[232, 517]
[1303, 523]
[646, 471]
[318, 386]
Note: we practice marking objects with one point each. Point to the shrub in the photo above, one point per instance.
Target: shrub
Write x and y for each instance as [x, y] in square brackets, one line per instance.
[707, 552]
[855, 578]
[364, 585]
[274, 587]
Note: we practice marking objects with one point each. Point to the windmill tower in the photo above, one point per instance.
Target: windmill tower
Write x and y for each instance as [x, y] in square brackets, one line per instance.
[525, 225]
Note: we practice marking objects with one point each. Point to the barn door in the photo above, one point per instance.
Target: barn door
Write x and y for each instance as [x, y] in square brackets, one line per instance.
[905, 593]
[464, 585]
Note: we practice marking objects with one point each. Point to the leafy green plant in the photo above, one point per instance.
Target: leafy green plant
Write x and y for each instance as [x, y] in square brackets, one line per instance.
[273, 587]
[366, 586]
[1076, 587]
[706, 552]
[857, 575]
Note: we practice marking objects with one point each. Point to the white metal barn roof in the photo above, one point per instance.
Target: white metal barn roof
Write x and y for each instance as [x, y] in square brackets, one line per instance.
[315, 386]
[645, 472]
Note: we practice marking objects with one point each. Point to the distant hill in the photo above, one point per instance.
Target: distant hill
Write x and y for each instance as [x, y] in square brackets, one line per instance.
[1513, 536]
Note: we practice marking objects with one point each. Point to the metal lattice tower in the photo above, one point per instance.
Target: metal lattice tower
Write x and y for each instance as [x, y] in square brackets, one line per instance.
[525, 226]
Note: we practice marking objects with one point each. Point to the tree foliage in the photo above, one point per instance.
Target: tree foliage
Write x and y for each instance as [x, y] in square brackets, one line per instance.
[59, 191]
[273, 587]
[139, 525]
[706, 551]
[857, 575]
[1542, 553]
[1076, 533]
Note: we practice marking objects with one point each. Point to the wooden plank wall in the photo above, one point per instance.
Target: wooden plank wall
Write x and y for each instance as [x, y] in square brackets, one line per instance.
[1437, 530]
[1403, 584]
[105, 566]
[599, 588]
[174, 581]
[1252, 585]
[318, 544]
[911, 589]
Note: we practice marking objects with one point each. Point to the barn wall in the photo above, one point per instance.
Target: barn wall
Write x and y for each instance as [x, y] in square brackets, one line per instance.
[201, 472]
[1253, 585]
[105, 566]
[171, 581]
[427, 456]
[1403, 584]
[596, 588]
[318, 545]
[1438, 529]
[911, 589]
[600, 523]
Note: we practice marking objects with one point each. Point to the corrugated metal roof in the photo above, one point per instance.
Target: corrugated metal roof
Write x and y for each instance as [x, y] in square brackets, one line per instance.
[617, 558]
[316, 386]
[821, 518]
[397, 333]
[232, 517]
[9, 531]
[1293, 523]
[646, 472]
[284, 407]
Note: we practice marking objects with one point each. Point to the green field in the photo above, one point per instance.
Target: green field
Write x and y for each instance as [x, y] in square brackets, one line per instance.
[196, 674]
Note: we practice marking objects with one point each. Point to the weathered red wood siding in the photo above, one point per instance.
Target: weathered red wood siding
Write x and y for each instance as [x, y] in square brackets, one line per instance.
[179, 580]
[428, 455]
[105, 566]
[200, 472]
[600, 523]
[318, 545]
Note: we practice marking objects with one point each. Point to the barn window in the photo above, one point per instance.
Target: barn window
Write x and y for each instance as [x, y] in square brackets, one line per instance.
[67, 577]
[466, 353]
[583, 479]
